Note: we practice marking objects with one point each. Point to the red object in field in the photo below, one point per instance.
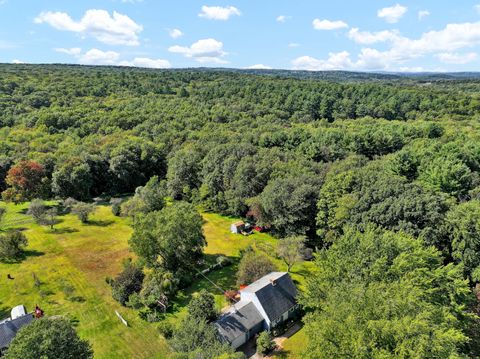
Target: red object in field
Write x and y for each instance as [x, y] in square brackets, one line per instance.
[258, 228]
[243, 286]
[38, 312]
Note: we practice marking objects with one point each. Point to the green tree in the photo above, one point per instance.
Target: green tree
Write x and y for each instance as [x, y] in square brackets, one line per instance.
[49, 218]
[183, 172]
[83, 210]
[72, 178]
[48, 338]
[463, 226]
[37, 209]
[265, 344]
[158, 287]
[195, 338]
[129, 281]
[291, 250]
[289, 204]
[12, 245]
[378, 294]
[152, 194]
[253, 266]
[202, 306]
[446, 174]
[171, 238]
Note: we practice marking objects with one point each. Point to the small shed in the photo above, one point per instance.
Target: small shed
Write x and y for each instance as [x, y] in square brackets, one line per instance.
[18, 311]
[237, 227]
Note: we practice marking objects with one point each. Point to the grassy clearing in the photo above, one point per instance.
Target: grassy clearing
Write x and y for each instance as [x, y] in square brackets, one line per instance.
[70, 264]
[65, 269]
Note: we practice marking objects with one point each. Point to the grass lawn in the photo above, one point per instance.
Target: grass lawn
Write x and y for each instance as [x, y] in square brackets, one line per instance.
[70, 265]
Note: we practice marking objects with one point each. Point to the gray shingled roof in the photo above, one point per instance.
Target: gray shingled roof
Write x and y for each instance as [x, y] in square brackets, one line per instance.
[277, 298]
[241, 317]
[9, 329]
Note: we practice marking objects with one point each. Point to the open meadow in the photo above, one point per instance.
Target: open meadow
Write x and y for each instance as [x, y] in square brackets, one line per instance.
[64, 272]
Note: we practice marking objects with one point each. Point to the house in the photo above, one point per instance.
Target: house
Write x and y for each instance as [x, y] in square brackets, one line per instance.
[237, 227]
[263, 305]
[10, 326]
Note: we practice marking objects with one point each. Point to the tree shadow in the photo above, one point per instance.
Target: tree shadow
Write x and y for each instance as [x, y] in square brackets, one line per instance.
[24, 255]
[100, 223]
[4, 313]
[32, 253]
[64, 230]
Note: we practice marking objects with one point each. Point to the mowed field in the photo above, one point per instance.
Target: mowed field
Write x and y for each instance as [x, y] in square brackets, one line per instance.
[64, 273]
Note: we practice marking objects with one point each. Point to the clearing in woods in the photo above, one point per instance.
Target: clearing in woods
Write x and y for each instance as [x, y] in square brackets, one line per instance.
[64, 272]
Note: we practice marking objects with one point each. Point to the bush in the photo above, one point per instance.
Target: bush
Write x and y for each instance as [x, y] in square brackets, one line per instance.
[252, 267]
[129, 281]
[265, 343]
[49, 338]
[83, 210]
[116, 209]
[223, 261]
[12, 245]
[202, 306]
[116, 206]
[37, 209]
[166, 329]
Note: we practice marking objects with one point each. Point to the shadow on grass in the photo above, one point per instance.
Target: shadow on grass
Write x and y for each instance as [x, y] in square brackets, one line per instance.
[64, 230]
[4, 313]
[282, 353]
[23, 256]
[100, 223]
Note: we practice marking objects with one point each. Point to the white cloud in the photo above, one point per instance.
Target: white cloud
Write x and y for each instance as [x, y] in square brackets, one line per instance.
[282, 18]
[456, 58]
[98, 57]
[328, 25]
[259, 67]
[16, 61]
[293, 44]
[72, 51]
[147, 62]
[132, 1]
[367, 37]
[335, 61]
[422, 14]
[393, 13]
[205, 50]
[218, 12]
[477, 8]
[175, 33]
[412, 69]
[442, 44]
[117, 29]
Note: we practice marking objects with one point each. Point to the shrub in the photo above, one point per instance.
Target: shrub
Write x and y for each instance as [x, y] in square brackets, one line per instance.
[49, 338]
[202, 306]
[265, 343]
[83, 210]
[166, 329]
[223, 261]
[129, 281]
[11, 245]
[253, 266]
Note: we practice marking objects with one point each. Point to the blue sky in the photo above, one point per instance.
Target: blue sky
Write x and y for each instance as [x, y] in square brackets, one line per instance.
[304, 34]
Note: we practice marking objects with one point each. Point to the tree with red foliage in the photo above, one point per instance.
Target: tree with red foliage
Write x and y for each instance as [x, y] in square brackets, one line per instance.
[26, 181]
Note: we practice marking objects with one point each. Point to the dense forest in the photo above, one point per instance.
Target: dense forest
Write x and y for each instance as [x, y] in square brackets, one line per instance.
[381, 174]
